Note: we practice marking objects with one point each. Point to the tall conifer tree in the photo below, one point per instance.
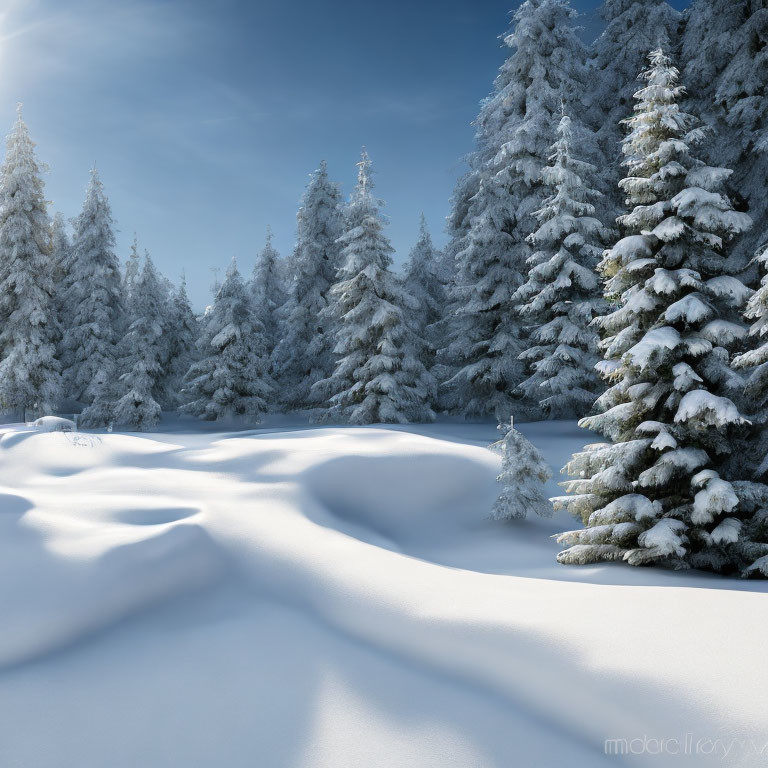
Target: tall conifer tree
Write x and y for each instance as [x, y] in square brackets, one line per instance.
[659, 492]
[515, 129]
[144, 351]
[94, 307]
[29, 372]
[267, 290]
[563, 293]
[304, 355]
[231, 378]
[379, 376]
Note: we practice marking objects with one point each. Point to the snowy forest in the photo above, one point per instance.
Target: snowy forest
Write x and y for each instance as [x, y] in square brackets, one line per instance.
[606, 261]
[477, 478]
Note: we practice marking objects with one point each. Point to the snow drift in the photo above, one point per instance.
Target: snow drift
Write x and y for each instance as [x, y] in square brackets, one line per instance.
[337, 597]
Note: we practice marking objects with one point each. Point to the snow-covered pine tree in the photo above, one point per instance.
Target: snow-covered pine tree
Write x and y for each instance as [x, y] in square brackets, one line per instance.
[479, 363]
[632, 28]
[267, 290]
[94, 308]
[379, 376]
[304, 355]
[231, 379]
[725, 45]
[143, 351]
[655, 494]
[30, 380]
[183, 331]
[425, 281]
[563, 292]
[515, 129]
[523, 474]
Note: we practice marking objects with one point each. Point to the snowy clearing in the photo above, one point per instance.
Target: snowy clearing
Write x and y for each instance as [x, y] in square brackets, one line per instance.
[337, 597]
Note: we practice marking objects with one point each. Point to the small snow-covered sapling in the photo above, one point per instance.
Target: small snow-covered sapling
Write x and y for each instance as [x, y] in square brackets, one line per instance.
[523, 474]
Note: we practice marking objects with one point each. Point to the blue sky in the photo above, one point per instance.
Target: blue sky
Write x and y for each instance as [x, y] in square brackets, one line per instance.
[205, 118]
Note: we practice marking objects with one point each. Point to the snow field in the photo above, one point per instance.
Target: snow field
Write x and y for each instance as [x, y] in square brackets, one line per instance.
[336, 597]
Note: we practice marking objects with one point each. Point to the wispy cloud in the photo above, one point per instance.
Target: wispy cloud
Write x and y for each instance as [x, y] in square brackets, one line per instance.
[88, 38]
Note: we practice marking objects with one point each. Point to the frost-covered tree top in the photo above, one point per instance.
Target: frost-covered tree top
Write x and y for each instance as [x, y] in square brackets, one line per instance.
[545, 67]
[658, 492]
[144, 351]
[516, 123]
[231, 379]
[523, 474]
[563, 293]
[267, 289]
[29, 372]
[304, 354]
[318, 227]
[633, 28]
[379, 376]
[93, 296]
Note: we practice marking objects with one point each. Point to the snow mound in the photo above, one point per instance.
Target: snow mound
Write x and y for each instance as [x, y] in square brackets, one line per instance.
[412, 495]
[54, 424]
[75, 585]
[87, 550]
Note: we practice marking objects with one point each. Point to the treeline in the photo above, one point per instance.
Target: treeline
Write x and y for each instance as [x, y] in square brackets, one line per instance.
[507, 319]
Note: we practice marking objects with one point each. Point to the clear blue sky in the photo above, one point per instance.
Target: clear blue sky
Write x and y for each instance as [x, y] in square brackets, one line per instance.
[205, 118]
